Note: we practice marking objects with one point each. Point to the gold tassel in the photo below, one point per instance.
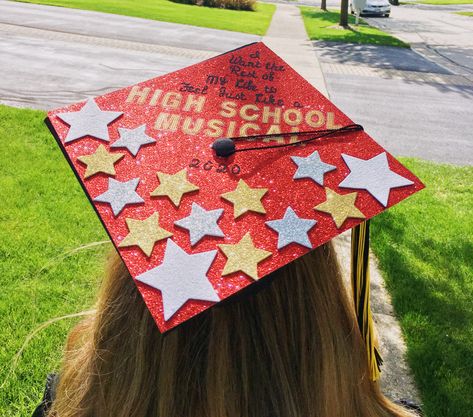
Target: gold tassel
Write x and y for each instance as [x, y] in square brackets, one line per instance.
[360, 276]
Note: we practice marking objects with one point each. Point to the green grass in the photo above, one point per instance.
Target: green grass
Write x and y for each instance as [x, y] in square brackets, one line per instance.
[43, 216]
[425, 249]
[444, 2]
[465, 13]
[322, 25]
[256, 22]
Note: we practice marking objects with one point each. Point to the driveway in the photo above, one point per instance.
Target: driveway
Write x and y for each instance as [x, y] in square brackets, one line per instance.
[58, 56]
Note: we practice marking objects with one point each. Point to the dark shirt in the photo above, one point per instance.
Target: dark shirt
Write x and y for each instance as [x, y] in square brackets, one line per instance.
[48, 396]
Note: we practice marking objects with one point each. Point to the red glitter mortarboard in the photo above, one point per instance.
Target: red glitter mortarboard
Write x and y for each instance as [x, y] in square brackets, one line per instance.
[194, 228]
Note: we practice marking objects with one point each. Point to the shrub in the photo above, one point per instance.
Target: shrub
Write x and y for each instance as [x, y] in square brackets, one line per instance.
[222, 4]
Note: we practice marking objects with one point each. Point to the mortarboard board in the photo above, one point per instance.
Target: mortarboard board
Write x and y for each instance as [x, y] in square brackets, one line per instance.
[196, 218]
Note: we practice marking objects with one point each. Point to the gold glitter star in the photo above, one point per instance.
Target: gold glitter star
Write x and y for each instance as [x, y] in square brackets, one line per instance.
[243, 256]
[340, 207]
[144, 233]
[100, 161]
[173, 186]
[245, 198]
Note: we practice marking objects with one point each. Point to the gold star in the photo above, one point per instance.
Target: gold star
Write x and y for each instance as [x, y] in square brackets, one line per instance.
[340, 207]
[100, 161]
[173, 186]
[243, 256]
[144, 233]
[245, 198]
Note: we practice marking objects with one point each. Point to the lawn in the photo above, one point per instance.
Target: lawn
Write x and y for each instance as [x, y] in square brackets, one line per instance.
[322, 25]
[466, 13]
[425, 249]
[256, 22]
[43, 273]
[424, 245]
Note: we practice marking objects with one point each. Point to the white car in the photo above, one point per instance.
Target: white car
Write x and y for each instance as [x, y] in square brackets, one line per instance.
[374, 7]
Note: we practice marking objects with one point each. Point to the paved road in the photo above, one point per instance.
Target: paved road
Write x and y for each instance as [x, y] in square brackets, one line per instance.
[426, 120]
[58, 56]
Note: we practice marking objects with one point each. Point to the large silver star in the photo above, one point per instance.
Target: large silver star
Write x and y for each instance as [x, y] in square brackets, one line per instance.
[181, 277]
[132, 139]
[292, 229]
[312, 167]
[88, 121]
[372, 175]
[119, 194]
[201, 222]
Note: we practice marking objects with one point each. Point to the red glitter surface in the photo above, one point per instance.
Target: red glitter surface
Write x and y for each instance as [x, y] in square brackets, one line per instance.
[271, 169]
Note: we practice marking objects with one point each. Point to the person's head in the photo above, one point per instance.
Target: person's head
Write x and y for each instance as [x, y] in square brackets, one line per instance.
[291, 349]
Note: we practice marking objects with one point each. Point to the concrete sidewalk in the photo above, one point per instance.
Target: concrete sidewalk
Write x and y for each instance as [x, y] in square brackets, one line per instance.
[287, 37]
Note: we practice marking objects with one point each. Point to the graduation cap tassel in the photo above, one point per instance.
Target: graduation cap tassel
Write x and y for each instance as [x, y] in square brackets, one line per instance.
[360, 275]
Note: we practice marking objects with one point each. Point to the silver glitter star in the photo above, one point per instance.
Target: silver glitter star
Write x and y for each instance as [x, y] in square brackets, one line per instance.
[181, 277]
[132, 139]
[312, 167]
[201, 222]
[292, 229]
[88, 121]
[373, 175]
[119, 194]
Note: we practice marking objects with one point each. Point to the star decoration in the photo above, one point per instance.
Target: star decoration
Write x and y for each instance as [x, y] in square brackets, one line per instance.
[88, 121]
[173, 186]
[120, 194]
[292, 229]
[201, 223]
[243, 256]
[312, 167]
[245, 198]
[132, 139]
[340, 207]
[181, 277]
[100, 161]
[373, 175]
[144, 233]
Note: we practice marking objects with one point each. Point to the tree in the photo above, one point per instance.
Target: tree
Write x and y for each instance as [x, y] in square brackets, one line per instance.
[323, 5]
[344, 13]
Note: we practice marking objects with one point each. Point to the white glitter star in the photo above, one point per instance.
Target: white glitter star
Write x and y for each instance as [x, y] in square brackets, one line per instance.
[372, 175]
[312, 167]
[119, 194]
[201, 222]
[132, 139]
[292, 229]
[181, 277]
[88, 121]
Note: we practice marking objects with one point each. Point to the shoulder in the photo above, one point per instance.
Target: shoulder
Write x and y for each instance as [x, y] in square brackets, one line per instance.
[48, 396]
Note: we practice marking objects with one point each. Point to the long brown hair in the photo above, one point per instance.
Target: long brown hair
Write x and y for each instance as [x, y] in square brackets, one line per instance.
[291, 349]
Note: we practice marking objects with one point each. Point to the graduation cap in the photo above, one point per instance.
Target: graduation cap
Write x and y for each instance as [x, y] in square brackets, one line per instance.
[209, 178]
